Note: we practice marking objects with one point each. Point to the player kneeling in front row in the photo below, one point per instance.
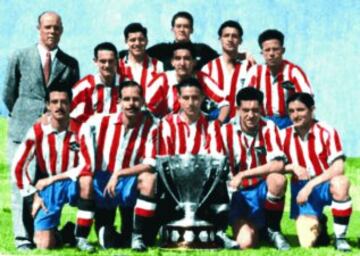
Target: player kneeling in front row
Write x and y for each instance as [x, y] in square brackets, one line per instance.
[55, 150]
[316, 159]
[183, 133]
[256, 162]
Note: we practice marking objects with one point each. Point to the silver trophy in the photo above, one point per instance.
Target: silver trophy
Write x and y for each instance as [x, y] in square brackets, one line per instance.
[185, 178]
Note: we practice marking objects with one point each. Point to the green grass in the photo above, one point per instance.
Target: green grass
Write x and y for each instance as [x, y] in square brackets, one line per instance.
[288, 226]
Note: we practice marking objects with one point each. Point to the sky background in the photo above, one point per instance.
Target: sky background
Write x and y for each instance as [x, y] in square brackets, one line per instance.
[321, 36]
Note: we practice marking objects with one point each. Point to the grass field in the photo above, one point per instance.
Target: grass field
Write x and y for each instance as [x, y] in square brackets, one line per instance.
[6, 236]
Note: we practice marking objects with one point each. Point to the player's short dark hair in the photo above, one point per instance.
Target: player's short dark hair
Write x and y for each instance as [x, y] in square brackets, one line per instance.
[231, 24]
[105, 46]
[59, 87]
[305, 98]
[189, 82]
[249, 93]
[133, 28]
[184, 15]
[184, 45]
[130, 83]
[271, 34]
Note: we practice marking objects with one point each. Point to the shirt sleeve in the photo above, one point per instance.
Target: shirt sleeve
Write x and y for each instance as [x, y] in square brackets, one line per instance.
[300, 80]
[212, 90]
[273, 144]
[151, 147]
[20, 166]
[334, 145]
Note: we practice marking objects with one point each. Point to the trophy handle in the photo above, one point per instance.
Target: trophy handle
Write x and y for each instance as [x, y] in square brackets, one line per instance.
[164, 178]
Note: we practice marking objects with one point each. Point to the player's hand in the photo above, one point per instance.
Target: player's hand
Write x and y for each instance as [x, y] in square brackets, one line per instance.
[301, 172]
[304, 194]
[45, 118]
[236, 181]
[37, 204]
[43, 183]
[111, 185]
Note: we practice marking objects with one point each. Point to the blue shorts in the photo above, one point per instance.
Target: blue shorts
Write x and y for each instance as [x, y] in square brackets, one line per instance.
[55, 197]
[318, 199]
[281, 122]
[248, 204]
[125, 191]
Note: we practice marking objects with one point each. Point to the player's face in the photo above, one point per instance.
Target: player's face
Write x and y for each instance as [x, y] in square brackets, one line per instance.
[50, 30]
[272, 52]
[230, 39]
[190, 100]
[249, 112]
[137, 43]
[131, 101]
[182, 30]
[183, 62]
[106, 63]
[300, 115]
[59, 105]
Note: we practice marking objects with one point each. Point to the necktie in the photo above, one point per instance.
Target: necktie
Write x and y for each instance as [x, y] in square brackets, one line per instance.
[47, 67]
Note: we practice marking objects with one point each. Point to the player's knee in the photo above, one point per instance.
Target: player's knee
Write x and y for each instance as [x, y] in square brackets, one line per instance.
[276, 183]
[246, 237]
[339, 187]
[44, 240]
[86, 186]
[308, 230]
[146, 182]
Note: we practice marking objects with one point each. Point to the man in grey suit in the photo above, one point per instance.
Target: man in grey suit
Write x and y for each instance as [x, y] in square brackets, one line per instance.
[30, 72]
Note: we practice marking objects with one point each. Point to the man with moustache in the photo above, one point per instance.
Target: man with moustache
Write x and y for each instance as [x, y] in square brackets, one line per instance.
[29, 72]
[117, 148]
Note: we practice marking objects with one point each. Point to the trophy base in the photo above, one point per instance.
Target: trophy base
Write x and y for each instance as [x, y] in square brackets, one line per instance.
[181, 235]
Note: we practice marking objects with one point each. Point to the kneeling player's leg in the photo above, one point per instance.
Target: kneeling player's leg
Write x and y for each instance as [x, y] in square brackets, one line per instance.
[275, 198]
[86, 207]
[145, 207]
[245, 234]
[45, 239]
[308, 229]
[340, 205]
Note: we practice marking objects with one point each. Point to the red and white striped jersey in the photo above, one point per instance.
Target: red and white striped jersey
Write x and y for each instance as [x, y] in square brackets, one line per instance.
[230, 82]
[141, 73]
[91, 96]
[162, 96]
[316, 152]
[275, 95]
[54, 152]
[106, 144]
[247, 152]
[178, 137]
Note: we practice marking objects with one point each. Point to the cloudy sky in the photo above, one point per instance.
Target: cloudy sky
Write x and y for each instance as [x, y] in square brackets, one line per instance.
[321, 36]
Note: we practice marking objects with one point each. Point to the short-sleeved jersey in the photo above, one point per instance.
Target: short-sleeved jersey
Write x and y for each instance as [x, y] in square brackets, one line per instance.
[106, 144]
[162, 95]
[54, 153]
[277, 89]
[317, 151]
[178, 137]
[91, 96]
[229, 82]
[140, 73]
[247, 152]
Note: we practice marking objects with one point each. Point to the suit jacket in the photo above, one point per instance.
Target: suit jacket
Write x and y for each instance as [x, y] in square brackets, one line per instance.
[24, 89]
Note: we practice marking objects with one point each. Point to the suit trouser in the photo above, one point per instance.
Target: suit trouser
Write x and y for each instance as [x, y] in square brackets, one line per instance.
[23, 225]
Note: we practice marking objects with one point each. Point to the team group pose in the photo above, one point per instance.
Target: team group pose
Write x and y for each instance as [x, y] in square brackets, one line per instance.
[93, 142]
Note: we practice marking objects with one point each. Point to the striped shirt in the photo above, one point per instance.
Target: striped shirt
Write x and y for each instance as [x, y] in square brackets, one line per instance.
[230, 82]
[275, 93]
[91, 96]
[107, 144]
[178, 137]
[54, 153]
[140, 73]
[162, 96]
[247, 152]
[317, 151]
